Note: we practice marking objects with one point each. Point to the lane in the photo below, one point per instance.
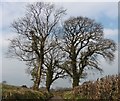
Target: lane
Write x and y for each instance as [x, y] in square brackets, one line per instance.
[56, 98]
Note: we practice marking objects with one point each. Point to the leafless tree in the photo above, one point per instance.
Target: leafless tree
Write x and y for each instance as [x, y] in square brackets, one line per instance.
[53, 61]
[33, 30]
[83, 41]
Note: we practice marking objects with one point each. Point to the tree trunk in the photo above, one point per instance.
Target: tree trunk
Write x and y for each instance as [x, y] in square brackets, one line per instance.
[38, 77]
[75, 81]
[75, 73]
[75, 76]
[48, 84]
[39, 70]
[49, 79]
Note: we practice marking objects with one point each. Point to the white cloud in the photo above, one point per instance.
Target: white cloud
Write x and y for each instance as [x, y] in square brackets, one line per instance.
[10, 12]
[1, 42]
[111, 33]
[5, 40]
[91, 9]
[13, 71]
[112, 68]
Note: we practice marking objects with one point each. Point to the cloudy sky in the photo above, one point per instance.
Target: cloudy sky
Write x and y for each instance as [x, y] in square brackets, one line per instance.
[105, 13]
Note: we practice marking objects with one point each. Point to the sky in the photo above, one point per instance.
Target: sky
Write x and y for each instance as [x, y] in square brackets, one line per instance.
[13, 71]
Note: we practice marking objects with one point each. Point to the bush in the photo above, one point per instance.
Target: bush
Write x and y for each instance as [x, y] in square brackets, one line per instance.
[104, 88]
[20, 93]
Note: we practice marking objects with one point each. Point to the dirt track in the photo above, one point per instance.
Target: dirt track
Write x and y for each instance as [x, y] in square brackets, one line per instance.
[56, 98]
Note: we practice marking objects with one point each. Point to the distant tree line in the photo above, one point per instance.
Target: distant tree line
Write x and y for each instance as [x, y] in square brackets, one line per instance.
[53, 50]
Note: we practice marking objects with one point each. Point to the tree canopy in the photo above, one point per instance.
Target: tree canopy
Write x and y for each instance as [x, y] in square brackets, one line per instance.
[84, 41]
[33, 32]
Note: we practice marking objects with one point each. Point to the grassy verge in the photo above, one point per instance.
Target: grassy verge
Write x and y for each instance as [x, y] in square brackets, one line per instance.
[20, 93]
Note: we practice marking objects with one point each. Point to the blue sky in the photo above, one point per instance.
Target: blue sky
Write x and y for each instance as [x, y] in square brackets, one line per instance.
[105, 13]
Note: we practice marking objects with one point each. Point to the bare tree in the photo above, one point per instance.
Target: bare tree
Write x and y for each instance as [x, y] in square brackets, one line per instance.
[53, 62]
[83, 42]
[33, 30]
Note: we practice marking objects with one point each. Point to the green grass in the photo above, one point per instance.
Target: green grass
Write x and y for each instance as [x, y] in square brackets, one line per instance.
[18, 93]
[68, 95]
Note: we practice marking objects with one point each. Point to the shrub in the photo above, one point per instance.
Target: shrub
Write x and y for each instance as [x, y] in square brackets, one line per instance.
[104, 88]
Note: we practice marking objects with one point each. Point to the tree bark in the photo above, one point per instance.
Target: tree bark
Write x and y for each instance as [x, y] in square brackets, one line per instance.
[75, 76]
[38, 77]
[48, 83]
[49, 78]
[75, 81]
[75, 73]
[39, 70]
